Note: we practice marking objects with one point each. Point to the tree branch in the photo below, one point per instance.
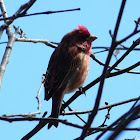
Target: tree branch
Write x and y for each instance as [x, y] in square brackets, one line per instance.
[132, 34]
[125, 119]
[11, 36]
[24, 7]
[6, 56]
[124, 70]
[40, 13]
[46, 42]
[137, 42]
[115, 68]
[113, 46]
[101, 108]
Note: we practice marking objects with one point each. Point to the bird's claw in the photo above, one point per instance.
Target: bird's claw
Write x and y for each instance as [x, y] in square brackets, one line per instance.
[81, 90]
[62, 109]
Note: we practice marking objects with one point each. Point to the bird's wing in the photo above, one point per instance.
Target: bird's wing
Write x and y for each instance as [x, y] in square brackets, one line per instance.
[61, 67]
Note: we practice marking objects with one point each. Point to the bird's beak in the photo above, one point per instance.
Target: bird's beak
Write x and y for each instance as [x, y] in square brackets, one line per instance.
[91, 38]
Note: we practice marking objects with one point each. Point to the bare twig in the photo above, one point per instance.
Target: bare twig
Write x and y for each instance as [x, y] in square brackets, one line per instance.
[137, 42]
[11, 36]
[113, 46]
[46, 42]
[2, 14]
[130, 114]
[22, 34]
[22, 9]
[4, 26]
[17, 115]
[99, 129]
[6, 55]
[125, 121]
[39, 126]
[107, 116]
[115, 68]
[101, 108]
[47, 120]
[33, 114]
[132, 34]
[107, 48]
[70, 109]
[38, 98]
[124, 70]
[101, 51]
[58, 120]
[40, 13]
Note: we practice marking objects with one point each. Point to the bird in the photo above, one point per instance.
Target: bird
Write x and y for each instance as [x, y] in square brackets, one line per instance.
[68, 68]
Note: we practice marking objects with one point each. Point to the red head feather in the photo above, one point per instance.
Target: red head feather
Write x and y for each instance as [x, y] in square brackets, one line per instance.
[83, 29]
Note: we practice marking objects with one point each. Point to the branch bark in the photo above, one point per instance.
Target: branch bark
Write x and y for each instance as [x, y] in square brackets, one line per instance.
[113, 46]
[11, 36]
[101, 108]
[24, 7]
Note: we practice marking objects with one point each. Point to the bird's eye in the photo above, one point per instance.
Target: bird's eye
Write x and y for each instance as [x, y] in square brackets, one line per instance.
[80, 48]
[85, 37]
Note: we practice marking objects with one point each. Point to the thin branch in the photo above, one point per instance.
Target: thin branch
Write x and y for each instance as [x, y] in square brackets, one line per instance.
[24, 7]
[38, 98]
[33, 114]
[18, 115]
[47, 120]
[11, 36]
[113, 46]
[6, 56]
[124, 70]
[115, 68]
[107, 48]
[107, 117]
[3, 42]
[121, 41]
[78, 93]
[101, 51]
[121, 119]
[41, 13]
[42, 123]
[5, 15]
[70, 109]
[2, 14]
[39, 126]
[137, 42]
[60, 121]
[99, 129]
[132, 34]
[101, 108]
[133, 112]
[46, 42]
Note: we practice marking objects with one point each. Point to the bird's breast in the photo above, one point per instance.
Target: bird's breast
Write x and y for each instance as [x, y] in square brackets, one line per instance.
[79, 76]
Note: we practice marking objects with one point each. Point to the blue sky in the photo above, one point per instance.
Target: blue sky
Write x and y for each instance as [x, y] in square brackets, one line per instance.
[29, 61]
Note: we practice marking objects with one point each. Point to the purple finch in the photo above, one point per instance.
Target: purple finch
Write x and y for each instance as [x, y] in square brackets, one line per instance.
[68, 67]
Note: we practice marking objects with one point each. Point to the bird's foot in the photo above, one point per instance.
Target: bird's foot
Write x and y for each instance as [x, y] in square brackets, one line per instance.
[62, 109]
[82, 91]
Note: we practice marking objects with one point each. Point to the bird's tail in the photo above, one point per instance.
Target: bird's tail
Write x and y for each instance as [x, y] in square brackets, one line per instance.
[56, 106]
[52, 123]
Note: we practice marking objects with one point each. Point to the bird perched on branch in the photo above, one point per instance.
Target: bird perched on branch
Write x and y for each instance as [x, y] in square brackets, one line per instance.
[68, 67]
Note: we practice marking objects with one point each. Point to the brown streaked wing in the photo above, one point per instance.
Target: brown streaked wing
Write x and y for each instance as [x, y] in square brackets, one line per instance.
[60, 70]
